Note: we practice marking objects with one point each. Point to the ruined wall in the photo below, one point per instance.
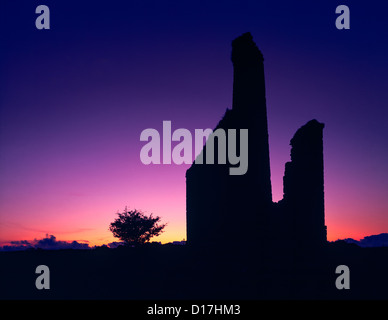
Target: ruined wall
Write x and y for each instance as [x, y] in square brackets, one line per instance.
[303, 186]
[224, 210]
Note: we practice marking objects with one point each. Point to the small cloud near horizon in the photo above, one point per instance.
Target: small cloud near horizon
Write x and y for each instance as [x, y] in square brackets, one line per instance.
[50, 242]
[378, 240]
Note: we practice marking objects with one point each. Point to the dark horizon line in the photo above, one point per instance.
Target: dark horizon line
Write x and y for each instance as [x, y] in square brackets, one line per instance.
[372, 241]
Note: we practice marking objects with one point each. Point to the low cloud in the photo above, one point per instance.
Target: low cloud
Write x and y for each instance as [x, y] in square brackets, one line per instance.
[50, 242]
[115, 244]
[378, 240]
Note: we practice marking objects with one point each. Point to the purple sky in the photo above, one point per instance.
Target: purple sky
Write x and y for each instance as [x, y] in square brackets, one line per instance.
[74, 100]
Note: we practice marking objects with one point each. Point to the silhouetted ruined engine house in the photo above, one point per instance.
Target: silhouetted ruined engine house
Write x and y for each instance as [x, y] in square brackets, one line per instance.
[237, 210]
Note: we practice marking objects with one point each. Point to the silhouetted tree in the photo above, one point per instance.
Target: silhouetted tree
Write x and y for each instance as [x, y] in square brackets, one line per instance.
[134, 228]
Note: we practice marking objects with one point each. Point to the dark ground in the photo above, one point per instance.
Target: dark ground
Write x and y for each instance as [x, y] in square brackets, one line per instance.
[178, 272]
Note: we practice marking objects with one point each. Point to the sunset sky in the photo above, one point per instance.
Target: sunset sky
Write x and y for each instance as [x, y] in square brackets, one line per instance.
[74, 100]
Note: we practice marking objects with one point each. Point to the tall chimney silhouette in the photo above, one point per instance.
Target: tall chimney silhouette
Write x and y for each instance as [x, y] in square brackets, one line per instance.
[248, 77]
[250, 103]
[228, 210]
